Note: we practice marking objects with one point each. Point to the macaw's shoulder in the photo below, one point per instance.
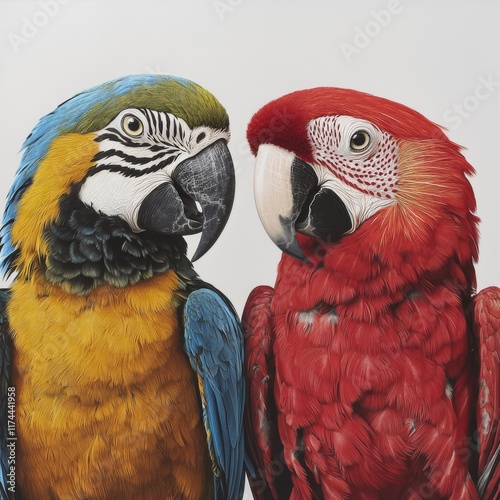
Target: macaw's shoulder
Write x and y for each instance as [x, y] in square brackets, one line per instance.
[486, 328]
[5, 353]
[486, 306]
[214, 344]
[264, 446]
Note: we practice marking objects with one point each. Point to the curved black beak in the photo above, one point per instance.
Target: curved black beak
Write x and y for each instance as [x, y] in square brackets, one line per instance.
[206, 178]
[290, 198]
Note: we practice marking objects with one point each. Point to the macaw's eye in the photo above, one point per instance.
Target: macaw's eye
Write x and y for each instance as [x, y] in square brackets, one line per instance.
[360, 140]
[132, 125]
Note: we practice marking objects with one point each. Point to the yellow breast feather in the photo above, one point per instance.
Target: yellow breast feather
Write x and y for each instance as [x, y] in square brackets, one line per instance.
[105, 392]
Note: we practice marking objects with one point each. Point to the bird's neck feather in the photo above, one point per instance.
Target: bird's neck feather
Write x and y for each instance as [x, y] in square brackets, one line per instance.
[428, 236]
[87, 250]
[66, 162]
[72, 246]
[377, 263]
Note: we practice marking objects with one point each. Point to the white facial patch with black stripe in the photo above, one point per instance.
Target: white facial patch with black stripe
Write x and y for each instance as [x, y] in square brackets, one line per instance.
[138, 151]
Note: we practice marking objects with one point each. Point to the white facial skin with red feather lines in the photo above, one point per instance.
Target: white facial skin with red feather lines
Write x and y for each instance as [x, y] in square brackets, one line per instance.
[352, 157]
[357, 161]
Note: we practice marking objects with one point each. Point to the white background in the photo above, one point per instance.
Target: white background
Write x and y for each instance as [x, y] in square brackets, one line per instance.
[431, 56]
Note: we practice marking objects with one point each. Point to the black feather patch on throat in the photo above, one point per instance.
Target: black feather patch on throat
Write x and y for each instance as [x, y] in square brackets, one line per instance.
[88, 249]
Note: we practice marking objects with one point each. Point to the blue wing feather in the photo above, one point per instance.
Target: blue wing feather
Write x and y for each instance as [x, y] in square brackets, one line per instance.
[5, 353]
[214, 344]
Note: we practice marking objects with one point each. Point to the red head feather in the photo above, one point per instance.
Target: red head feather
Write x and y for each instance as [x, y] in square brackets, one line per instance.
[433, 216]
[283, 122]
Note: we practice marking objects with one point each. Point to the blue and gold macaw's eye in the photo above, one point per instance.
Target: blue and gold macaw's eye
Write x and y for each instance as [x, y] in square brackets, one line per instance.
[132, 125]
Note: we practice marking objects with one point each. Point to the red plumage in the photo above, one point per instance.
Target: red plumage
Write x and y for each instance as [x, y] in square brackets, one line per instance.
[360, 363]
[283, 121]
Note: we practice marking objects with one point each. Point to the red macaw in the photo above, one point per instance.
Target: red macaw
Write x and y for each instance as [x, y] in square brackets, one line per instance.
[373, 370]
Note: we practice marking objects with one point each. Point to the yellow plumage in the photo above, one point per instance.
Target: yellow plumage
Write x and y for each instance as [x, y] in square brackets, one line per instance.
[66, 163]
[109, 395]
[107, 402]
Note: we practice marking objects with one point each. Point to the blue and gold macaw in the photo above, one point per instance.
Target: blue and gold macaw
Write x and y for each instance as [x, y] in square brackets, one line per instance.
[120, 367]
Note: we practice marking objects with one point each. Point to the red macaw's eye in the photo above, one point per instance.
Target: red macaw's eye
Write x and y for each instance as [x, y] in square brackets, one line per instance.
[360, 140]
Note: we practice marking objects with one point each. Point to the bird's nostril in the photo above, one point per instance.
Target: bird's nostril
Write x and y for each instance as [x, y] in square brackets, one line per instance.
[191, 209]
